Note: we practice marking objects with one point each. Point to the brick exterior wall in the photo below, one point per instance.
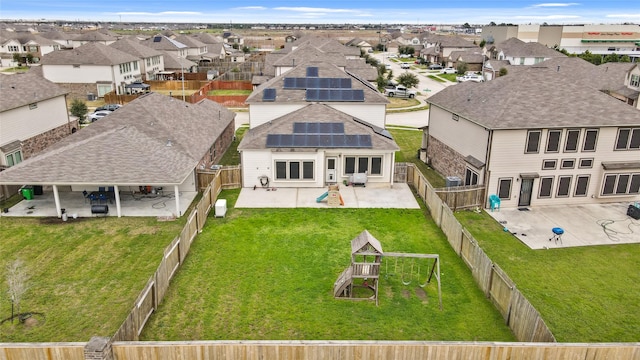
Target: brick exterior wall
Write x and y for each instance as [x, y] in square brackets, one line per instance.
[444, 159]
[98, 348]
[79, 91]
[36, 144]
[220, 146]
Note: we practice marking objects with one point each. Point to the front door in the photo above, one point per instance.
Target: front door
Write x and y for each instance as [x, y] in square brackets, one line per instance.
[331, 173]
[526, 187]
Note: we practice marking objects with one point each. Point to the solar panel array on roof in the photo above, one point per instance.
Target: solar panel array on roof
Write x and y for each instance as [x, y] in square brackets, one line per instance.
[157, 39]
[318, 128]
[335, 95]
[302, 83]
[312, 71]
[269, 94]
[319, 140]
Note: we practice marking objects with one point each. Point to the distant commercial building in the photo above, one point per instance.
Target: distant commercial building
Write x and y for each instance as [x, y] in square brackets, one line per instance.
[598, 39]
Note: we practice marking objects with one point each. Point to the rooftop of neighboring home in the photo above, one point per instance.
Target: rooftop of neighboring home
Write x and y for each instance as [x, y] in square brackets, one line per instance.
[256, 139]
[472, 56]
[208, 38]
[611, 77]
[449, 41]
[514, 47]
[360, 68]
[26, 88]
[25, 38]
[328, 45]
[173, 61]
[134, 47]
[190, 41]
[94, 36]
[91, 53]
[154, 139]
[161, 42]
[287, 88]
[534, 97]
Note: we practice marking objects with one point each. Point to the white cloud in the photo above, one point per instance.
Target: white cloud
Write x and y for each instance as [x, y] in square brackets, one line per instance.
[548, 17]
[162, 13]
[624, 16]
[555, 5]
[315, 10]
[250, 8]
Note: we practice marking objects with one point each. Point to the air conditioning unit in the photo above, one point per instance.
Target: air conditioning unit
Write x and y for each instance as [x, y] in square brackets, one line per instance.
[452, 181]
[358, 179]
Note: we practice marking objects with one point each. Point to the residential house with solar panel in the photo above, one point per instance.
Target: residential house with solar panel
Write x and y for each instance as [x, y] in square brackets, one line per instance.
[93, 68]
[537, 137]
[316, 125]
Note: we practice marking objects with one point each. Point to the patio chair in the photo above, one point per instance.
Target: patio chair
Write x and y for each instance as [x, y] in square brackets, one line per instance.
[102, 197]
[85, 194]
[494, 202]
[101, 188]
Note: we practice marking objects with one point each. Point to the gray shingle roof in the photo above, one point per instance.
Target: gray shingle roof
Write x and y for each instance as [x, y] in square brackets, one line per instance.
[94, 36]
[190, 41]
[133, 47]
[534, 98]
[130, 146]
[515, 47]
[160, 42]
[298, 95]
[88, 54]
[173, 61]
[22, 89]
[307, 53]
[256, 138]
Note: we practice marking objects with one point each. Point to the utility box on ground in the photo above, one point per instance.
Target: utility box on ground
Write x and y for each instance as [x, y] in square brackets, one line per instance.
[220, 208]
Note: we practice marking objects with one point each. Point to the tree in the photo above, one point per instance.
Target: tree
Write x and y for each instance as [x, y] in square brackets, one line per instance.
[492, 24]
[78, 109]
[29, 57]
[381, 82]
[17, 58]
[462, 67]
[503, 71]
[17, 280]
[483, 43]
[245, 49]
[408, 79]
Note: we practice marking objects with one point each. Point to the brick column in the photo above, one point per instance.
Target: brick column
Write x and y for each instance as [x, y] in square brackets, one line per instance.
[98, 348]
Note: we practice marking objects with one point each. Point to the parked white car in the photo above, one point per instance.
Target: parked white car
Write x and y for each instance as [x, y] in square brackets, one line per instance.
[405, 65]
[97, 115]
[449, 70]
[470, 77]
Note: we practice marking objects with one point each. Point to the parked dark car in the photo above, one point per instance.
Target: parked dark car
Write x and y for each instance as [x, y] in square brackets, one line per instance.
[109, 107]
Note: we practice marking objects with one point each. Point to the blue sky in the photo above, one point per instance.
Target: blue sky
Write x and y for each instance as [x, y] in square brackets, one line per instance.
[327, 11]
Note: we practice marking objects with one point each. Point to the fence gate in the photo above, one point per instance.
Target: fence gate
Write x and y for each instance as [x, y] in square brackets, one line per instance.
[400, 173]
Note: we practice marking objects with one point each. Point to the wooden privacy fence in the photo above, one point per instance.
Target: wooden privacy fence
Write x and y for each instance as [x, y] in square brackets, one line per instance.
[174, 255]
[462, 197]
[230, 177]
[523, 319]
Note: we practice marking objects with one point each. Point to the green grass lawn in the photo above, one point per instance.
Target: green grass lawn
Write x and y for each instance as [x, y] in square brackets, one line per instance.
[584, 294]
[269, 274]
[228, 92]
[84, 274]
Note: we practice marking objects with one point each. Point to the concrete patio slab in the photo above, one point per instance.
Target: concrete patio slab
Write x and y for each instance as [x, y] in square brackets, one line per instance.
[583, 225]
[398, 196]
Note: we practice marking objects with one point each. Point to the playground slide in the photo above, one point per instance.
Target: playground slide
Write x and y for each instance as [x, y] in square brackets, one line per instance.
[344, 280]
[321, 197]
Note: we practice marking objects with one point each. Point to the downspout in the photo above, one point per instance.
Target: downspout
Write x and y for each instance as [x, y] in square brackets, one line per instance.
[176, 191]
[486, 167]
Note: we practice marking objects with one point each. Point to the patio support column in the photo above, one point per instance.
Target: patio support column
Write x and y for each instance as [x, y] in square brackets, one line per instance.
[393, 167]
[56, 198]
[116, 194]
[176, 191]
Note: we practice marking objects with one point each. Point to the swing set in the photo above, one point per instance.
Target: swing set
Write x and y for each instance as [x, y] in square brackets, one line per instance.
[414, 267]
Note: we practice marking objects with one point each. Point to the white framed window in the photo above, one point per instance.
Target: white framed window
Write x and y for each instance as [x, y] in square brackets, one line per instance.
[628, 139]
[13, 158]
[372, 165]
[621, 184]
[590, 140]
[635, 80]
[582, 185]
[546, 187]
[586, 163]
[470, 177]
[294, 170]
[553, 141]
[568, 164]
[549, 164]
[533, 142]
[13, 48]
[564, 186]
[573, 137]
[504, 188]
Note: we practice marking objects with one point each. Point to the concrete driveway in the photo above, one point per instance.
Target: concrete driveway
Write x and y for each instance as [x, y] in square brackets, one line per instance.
[583, 225]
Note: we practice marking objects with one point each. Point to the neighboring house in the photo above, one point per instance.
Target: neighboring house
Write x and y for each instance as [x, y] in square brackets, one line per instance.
[443, 46]
[151, 61]
[94, 37]
[174, 64]
[23, 43]
[92, 68]
[154, 140]
[63, 39]
[215, 45]
[316, 125]
[620, 80]
[518, 52]
[33, 115]
[231, 39]
[473, 58]
[361, 44]
[534, 138]
[164, 43]
[197, 51]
